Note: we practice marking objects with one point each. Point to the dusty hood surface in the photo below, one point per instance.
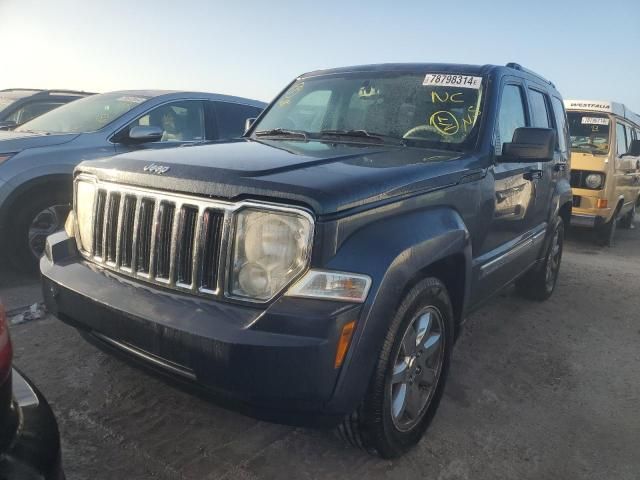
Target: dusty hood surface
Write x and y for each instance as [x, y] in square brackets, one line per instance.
[326, 177]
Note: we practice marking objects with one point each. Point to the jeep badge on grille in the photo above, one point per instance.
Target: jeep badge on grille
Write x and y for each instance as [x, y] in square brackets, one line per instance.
[157, 169]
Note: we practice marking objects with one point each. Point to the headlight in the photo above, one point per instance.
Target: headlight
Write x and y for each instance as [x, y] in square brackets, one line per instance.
[85, 197]
[271, 248]
[593, 180]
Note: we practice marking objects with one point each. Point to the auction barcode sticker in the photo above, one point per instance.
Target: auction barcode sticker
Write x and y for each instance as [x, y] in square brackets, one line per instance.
[595, 121]
[452, 80]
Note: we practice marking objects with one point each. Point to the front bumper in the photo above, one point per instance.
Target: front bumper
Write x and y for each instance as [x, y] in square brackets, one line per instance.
[34, 452]
[275, 362]
[586, 220]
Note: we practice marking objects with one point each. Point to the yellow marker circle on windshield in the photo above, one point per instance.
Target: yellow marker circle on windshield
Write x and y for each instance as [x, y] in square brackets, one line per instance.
[445, 122]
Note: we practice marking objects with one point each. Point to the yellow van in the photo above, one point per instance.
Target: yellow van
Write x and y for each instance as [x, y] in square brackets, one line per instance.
[605, 165]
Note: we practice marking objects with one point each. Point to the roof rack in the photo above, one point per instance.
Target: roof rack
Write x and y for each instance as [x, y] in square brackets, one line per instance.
[517, 66]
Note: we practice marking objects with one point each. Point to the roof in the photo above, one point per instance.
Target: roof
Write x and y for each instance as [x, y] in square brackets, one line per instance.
[431, 67]
[404, 67]
[180, 93]
[604, 106]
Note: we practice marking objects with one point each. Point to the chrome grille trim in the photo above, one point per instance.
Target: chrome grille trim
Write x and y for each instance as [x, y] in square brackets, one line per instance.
[124, 198]
[226, 211]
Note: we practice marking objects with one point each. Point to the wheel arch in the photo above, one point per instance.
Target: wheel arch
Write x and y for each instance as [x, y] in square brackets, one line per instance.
[408, 248]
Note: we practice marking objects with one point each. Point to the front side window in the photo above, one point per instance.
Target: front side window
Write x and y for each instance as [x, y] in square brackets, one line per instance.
[589, 132]
[417, 109]
[621, 139]
[180, 121]
[539, 110]
[231, 118]
[88, 114]
[511, 116]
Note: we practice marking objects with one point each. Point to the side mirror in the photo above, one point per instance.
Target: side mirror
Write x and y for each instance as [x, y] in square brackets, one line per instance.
[144, 134]
[8, 125]
[530, 144]
[248, 123]
[634, 149]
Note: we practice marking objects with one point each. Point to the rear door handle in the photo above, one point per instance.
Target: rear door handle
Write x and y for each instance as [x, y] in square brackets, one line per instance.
[532, 174]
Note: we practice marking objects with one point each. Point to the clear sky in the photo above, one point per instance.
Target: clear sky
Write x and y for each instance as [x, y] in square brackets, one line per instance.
[590, 49]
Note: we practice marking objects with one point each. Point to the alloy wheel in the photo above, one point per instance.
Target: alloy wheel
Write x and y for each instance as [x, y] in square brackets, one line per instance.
[417, 368]
[46, 222]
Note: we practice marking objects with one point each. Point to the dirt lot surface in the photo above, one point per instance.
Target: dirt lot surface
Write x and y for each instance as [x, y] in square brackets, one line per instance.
[537, 391]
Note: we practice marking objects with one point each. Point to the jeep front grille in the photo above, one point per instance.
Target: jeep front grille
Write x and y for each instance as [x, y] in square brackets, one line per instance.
[162, 238]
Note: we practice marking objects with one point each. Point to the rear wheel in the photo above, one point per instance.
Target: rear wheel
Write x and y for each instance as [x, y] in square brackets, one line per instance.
[34, 220]
[540, 282]
[407, 384]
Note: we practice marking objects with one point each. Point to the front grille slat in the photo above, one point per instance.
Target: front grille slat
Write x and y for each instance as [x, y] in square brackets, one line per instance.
[212, 235]
[163, 236]
[186, 239]
[99, 224]
[160, 238]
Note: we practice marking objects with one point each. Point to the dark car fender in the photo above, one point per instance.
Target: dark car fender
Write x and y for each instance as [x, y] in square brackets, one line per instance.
[404, 248]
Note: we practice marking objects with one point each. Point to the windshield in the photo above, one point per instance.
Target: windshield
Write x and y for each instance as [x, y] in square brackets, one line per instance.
[85, 115]
[10, 96]
[589, 132]
[434, 110]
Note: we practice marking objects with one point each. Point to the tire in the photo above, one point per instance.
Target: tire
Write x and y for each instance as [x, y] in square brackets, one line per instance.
[606, 233]
[383, 423]
[628, 219]
[41, 214]
[540, 282]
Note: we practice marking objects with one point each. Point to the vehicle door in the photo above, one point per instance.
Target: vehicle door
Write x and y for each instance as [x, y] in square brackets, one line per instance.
[625, 167]
[230, 118]
[181, 121]
[507, 248]
[546, 174]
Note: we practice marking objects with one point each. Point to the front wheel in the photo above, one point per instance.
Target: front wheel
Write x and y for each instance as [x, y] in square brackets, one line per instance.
[407, 384]
[37, 217]
[540, 282]
[629, 218]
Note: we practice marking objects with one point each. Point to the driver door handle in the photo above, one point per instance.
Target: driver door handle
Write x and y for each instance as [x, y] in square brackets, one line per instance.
[533, 174]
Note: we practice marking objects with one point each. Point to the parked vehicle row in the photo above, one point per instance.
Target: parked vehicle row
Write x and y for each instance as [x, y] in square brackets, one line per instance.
[313, 265]
[37, 158]
[319, 269]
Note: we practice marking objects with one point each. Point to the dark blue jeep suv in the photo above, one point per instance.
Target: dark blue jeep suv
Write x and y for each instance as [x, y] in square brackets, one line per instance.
[321, 268]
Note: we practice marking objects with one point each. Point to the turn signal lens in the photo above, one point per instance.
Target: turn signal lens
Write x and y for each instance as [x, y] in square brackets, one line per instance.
[601, 203]
[343, 343]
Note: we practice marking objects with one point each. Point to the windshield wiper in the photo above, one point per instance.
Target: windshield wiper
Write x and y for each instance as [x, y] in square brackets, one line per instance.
[283, 132]
[363, 134]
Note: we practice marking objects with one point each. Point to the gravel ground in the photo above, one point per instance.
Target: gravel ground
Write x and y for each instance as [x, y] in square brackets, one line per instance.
[537, 391]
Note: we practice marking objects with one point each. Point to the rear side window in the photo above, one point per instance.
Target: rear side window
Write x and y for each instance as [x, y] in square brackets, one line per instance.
[621, 139]
[511, 115]
[231, 118]
[539, 109]
[561, 124]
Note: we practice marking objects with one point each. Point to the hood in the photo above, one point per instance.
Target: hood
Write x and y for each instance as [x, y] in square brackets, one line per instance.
[328, 178]
[13, 141]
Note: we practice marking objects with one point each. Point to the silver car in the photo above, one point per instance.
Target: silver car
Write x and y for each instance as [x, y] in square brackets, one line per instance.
[37, 159]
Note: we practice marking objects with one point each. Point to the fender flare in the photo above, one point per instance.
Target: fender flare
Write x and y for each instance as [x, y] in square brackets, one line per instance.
[404, 247]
